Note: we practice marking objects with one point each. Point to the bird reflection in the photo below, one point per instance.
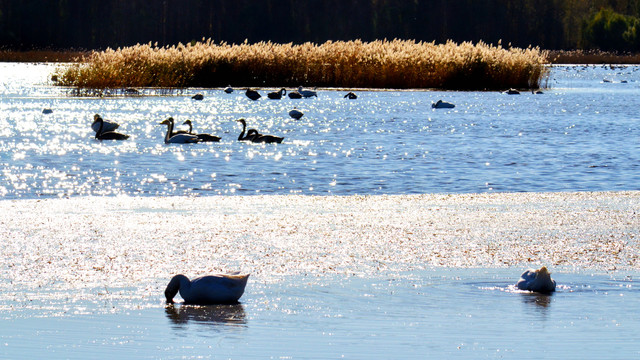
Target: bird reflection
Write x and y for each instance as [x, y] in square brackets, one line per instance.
[209, 314]
[542, 300]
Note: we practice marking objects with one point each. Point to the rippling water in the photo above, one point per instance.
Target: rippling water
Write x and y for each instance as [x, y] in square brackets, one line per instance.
[579, 135]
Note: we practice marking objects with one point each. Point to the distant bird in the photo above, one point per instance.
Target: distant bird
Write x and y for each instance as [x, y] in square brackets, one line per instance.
[108, 125]
[202, 137]
[252, 94]
[442, 105]
[296, 114]
[47, 111]
[294, 95]
[228, 89]
[307, 93]
[351, 95]
[277, 95]
[512, 92]
[101, 134]
[254, 136]
[207, 290]
[537, 281]
[197, 96]
[536, 91]
[172, 138]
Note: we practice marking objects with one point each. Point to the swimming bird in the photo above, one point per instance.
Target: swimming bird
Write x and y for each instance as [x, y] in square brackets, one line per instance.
[351, 95]
[296, 114]
[108, 125]
[254, 136]
[294, 95]
[228, 89]
[207, 290]
[197, 96]
[101, 134]
[173, 138]
[47, 111]
[537, 281]
[202, 137]
[307, 93]
[277, 95]
[512, 91]
[442, 105]
[252, 94]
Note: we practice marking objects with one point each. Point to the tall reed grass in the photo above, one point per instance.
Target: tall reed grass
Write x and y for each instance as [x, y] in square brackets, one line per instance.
[358, 64]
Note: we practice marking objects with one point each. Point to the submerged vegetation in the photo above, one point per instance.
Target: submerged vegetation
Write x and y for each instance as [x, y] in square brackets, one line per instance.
[376, 64]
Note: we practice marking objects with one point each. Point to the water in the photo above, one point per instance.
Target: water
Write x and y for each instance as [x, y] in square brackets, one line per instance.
[577, 136]
[400, 276]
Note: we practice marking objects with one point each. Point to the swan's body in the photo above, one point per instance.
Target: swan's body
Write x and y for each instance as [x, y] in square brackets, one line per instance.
[108, 125]
[197, 97]
[228, 89]
[47, 111]
[296, 114]
[101, 134]
[206, 290]
[252, 94]
[307, 93]
[294, 95]
[442, 105]
[202, 137]
[537, 281]
[512, 92]
[276, 95]
[254, 136]
[351, 95]
[173, 138]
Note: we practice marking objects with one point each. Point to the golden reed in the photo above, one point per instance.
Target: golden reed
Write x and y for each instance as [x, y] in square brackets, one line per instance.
[400, 64]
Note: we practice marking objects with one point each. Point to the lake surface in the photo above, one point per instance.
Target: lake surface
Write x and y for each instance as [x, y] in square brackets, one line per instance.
[458, 203]
[580, 135]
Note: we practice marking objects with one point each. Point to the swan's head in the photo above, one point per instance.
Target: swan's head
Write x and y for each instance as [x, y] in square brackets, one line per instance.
[242, 121]
[96, 117]
[168, 121]
[187, 122]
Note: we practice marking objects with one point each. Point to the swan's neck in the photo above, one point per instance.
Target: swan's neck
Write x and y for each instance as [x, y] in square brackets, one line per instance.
[99, 127]
[244, 128]
[178, 283]
[169, 131]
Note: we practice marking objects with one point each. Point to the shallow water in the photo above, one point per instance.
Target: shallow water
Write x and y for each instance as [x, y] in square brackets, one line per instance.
[574, 137]
[455, 313]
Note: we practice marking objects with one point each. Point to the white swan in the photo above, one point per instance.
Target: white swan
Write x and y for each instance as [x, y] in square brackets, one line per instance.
[537, 281]
[171, 138]
[307, 93]
[211, 289]
[108, 125]
[296, 114]
[442, 105]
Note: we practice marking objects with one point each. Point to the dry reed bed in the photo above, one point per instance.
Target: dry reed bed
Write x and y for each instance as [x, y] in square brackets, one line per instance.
[377, 64]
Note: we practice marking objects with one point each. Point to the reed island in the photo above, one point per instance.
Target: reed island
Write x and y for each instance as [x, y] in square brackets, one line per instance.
[393, 64]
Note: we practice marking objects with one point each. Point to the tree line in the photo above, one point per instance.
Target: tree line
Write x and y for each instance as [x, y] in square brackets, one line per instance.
[98, 24]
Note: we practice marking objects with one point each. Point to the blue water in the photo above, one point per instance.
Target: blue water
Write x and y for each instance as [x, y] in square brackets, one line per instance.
[580, 135]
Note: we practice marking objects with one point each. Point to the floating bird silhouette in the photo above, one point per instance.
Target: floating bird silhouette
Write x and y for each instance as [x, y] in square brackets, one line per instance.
[512, 92]
[108, 125]
[307, 93]
[228, 89]
[47, 111]
[537, 281]
[197, 96]
[207, 290]
[101, 134]
[294, 95]
[202, 137]
[296, 114]
[351, 95]
[173, 138]
[277, 95]
[252, 94]
[442, 105]
[254, 136]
